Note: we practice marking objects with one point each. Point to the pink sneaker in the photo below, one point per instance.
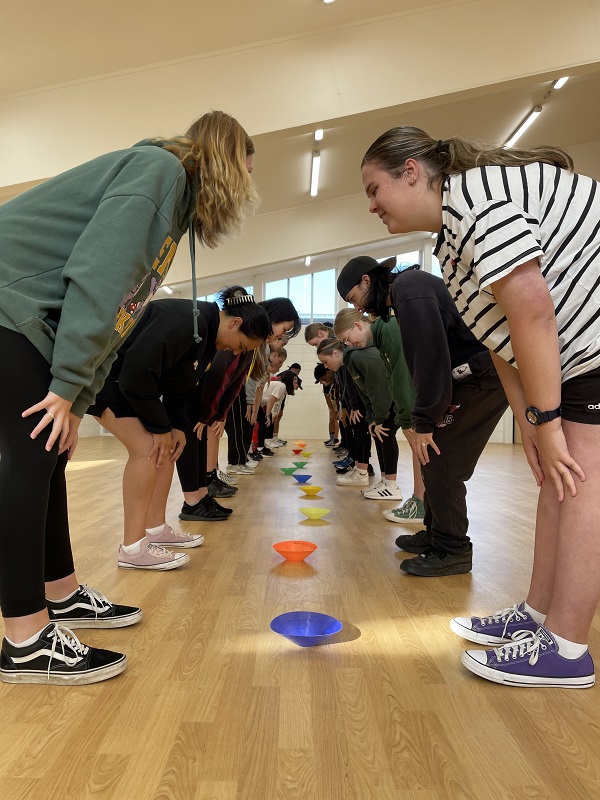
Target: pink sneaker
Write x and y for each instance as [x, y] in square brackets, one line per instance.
[172, 538]
[151, 556]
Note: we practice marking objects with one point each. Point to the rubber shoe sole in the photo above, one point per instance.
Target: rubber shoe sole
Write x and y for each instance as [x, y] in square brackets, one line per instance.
[524, 682]
[98, 622]
[413, 566]
[166, 566]
[90, 676]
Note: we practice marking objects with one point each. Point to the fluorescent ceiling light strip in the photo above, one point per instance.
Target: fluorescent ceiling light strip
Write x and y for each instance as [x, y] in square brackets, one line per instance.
[314, 175]
[523, 127]
[319, 135]
[560, 82]
[167, 289]
[307, 261]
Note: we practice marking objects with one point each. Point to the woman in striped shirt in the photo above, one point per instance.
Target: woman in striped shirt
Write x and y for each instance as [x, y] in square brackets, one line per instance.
[519, 246]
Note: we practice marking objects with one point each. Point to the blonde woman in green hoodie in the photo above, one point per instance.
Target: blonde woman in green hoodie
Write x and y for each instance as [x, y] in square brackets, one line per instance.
[82, 254]
[357, 330]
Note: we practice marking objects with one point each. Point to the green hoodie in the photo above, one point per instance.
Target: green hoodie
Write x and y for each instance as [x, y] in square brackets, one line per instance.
[83, 253]
[368, 373]
[387, 339]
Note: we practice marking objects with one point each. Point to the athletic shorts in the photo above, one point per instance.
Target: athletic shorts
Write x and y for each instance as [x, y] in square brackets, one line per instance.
[580, 398]
[110, 396]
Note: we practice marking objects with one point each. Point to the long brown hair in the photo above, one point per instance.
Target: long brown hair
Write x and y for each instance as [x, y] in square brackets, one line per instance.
[345, 319]
[443, 157]
[327, 346]
[213, 152]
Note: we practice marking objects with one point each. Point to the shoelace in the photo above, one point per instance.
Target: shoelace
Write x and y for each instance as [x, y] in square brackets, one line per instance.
[528, 644]
[98, 601]
[158, 551]
[409, 509]
[179, 534]
[66, 638]
[507, 615]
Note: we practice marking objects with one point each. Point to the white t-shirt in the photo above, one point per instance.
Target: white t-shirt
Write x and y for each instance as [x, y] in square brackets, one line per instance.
[277, 390]
[496, 218]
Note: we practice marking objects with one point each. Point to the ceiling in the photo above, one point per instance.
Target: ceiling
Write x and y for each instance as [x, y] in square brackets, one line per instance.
[71, 41]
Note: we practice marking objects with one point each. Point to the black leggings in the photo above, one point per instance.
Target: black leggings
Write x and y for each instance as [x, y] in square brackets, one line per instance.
[191, 464]
[34, 530]
[387, 451]
[239, 431]
[264, 430]
[361, 444]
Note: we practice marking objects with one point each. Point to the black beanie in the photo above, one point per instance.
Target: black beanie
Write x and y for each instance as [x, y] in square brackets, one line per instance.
[351, 274]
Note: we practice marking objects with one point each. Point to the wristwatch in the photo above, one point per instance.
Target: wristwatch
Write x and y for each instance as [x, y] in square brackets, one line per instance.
[537, 417]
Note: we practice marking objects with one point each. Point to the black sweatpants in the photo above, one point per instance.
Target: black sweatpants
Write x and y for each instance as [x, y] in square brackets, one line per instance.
[387, 450]
[264, 430]
[361, 445]
[34, 529]
[478, 407]
[239, 431]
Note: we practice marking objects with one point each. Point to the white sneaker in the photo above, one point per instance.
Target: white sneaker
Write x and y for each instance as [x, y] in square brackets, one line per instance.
[239, 469]
[252, 465]
[375, 486]
[271, 443]
[384, 491]
[282, 442]
[230, 480]
[353, 478]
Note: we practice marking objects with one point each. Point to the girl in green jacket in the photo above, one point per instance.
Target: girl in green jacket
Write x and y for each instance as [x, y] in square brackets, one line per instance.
[82, 254]
[355, 329]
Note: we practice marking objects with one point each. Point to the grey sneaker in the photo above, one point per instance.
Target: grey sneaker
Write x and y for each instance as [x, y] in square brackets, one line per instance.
[151, 556]
[58, 658]
[172, 538]
[413, 510]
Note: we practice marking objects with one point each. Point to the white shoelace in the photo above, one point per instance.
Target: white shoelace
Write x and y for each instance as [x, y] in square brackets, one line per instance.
[98, 601]
[180, 534]
[66, 638]
[409, 509]
[528, 645]
[158, 551]
[507, 615]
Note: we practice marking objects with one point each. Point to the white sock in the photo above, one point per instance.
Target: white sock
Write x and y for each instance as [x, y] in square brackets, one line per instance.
[389, 482]
[158, 529]
[27, 642]
[537, 616]
[569, 649]
[68, 597]
[132, 549]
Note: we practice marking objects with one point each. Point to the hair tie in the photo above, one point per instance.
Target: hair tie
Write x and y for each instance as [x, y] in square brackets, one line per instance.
[241, 298]
[440, 146]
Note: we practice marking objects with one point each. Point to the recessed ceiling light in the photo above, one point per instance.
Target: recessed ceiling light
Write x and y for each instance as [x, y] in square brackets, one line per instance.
[307, 261]
[560, 82]
[327, 2]
[319, 134]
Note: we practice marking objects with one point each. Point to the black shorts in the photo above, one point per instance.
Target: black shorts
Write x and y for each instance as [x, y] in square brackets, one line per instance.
[110, 396]
[580, 398]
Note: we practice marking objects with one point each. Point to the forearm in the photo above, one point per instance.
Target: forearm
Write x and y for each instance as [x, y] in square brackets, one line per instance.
[513, 388]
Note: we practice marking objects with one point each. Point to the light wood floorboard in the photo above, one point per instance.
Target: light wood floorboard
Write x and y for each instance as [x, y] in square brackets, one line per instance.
[214, 706]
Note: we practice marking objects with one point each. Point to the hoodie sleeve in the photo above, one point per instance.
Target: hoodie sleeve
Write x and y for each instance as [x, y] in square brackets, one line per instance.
[427, 355]
[368, 362]
[114, 254]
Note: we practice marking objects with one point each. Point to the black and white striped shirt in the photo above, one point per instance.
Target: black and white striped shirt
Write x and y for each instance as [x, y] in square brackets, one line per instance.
[496, 218]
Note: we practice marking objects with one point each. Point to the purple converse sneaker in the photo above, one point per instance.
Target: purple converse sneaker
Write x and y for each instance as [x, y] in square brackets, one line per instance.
[501, 627]
[532, 661]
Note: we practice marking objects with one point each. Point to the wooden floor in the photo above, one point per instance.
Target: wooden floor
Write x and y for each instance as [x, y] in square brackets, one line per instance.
[214, 706]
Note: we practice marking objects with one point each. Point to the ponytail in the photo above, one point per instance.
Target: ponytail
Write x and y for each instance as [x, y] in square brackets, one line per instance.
[236, 302]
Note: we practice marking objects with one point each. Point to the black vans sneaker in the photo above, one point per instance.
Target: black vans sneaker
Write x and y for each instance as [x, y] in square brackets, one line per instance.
[266, 453]
[89, 608]
[415, 543]
[437, 564]
[57, 657]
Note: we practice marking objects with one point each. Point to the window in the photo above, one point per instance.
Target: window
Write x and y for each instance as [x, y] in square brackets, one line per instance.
[313, 295]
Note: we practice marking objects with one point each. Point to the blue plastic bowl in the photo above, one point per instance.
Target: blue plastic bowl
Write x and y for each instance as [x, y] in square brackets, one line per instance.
[302, 478]
[306, 628]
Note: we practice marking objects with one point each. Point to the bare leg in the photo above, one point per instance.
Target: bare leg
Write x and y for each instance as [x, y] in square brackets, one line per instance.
[576, 589]
[544, 555]
[418, 485]
[139, 476]
[18, 629]
[158, 504]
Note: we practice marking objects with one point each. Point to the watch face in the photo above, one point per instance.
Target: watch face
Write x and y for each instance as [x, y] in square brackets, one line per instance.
[531, 416]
